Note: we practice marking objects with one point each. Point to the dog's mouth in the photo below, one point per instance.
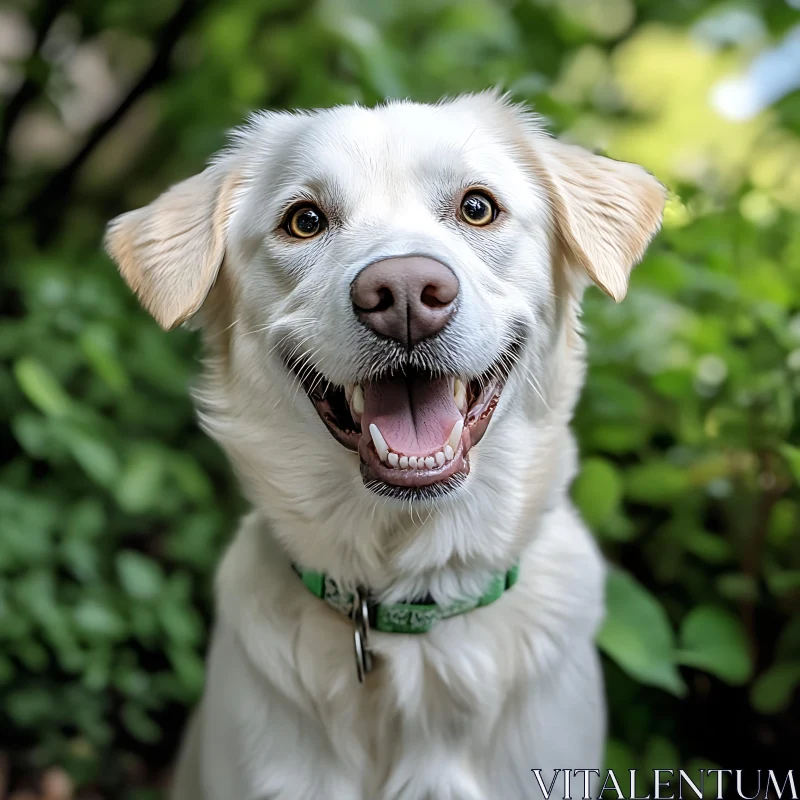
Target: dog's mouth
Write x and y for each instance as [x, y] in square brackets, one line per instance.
[413, 430]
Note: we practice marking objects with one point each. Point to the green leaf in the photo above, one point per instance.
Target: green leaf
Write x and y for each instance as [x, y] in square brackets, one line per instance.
[133, 682]
[737, 586]
[96, 672]
[708, 547]
[714, 640]
[657, 483]
[637, 634]
[86, 519]
[782, 582]
[32, 431]
[139, 724]
[597, 491]
[80, 556]
[773, 690]
[142, 481]
[792, 456]
[783, 522]
[33, 656]
[96, 456]
[30, 706]
[180, 621]
[41, 388]
[188, 668]
[97, 620]
[100, 348]
[140, 576]
[191, 478]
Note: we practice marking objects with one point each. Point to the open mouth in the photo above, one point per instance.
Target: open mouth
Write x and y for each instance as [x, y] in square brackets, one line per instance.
[413, 430]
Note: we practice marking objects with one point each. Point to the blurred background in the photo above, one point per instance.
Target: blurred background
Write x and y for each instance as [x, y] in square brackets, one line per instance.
[114, 508]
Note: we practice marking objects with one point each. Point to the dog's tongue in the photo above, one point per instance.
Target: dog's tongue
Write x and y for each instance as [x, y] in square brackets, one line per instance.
[415, 415]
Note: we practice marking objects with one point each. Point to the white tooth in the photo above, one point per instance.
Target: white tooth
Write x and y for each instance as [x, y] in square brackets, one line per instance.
[379, 441]
[357, 399]
[430, 462]
[420, 463]
[412, 462]
[439, 458]
[348, 391]
[394, 459]
[403, 462]
[455, 434]
[460, 395]
[448, 452]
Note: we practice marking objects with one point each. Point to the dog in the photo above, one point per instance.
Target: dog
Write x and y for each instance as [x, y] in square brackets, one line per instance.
[389, 299]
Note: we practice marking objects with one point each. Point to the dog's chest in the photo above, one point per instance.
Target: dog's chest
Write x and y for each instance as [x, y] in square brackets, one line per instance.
[430, 716]
[448, 714]
[409, 733]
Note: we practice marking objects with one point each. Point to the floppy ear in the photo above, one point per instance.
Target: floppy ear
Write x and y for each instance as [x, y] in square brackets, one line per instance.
[170, 251]
[606, 211]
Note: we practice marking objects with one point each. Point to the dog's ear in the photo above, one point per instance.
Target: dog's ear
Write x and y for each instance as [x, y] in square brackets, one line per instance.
[606, 212]
[170, 251]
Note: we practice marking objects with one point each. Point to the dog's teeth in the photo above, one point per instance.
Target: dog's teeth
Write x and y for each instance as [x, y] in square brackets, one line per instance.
[379, 441]
[430, 462]
[439, 458]
[448, 452]
[460, 395]
[420, 463]
[455, 435]
[403, 462]
[357, 399]
[348, 391]
[394, 459]
[412, 462]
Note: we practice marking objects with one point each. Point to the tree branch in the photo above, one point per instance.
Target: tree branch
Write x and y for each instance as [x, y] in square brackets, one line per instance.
[48, 206]
[30, 87]
[752, 558]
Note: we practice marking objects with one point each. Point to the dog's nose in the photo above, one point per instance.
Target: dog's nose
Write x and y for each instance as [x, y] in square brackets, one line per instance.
[407, 299]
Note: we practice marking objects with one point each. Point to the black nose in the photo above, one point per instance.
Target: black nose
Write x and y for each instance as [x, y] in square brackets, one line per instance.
[407, 299]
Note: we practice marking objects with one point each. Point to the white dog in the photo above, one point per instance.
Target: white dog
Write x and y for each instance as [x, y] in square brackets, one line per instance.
[390, 302]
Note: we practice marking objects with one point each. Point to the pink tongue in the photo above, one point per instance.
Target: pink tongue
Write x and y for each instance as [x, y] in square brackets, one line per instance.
[415, 415]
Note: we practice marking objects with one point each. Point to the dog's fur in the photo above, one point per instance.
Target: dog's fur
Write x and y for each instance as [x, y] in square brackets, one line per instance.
[467, 710]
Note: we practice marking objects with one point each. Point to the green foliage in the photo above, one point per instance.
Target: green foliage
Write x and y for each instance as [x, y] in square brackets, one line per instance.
[114, 508]
[638, 636]
[713, 639]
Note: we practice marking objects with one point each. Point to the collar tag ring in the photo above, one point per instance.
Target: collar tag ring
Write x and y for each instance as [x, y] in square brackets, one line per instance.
[361, 635]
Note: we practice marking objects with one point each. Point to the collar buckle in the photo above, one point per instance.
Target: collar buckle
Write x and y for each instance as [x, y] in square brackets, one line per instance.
[360, 617]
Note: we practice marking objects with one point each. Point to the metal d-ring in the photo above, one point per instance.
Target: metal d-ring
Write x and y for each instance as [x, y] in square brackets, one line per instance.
[361, 635]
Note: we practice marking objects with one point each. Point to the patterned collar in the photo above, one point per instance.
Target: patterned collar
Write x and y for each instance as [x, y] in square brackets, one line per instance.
[410, 617]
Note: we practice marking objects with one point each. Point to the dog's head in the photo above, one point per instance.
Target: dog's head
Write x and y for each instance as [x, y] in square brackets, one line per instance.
[400, 265]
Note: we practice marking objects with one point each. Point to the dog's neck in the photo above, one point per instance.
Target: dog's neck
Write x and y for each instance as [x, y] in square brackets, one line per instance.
[308, 491]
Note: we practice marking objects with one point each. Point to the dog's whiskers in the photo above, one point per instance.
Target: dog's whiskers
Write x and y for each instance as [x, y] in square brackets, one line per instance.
[306, 360]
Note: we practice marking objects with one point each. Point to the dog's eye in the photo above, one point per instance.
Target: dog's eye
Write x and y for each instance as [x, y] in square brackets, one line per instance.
[304, 222]
[478, 209]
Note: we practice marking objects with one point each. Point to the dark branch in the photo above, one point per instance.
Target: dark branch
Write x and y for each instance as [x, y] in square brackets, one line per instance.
[31, 86]
[48, 206]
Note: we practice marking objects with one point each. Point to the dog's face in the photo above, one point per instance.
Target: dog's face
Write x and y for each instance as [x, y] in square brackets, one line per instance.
[400, 264]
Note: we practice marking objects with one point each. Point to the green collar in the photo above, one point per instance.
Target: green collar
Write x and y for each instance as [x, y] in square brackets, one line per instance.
[402, 617]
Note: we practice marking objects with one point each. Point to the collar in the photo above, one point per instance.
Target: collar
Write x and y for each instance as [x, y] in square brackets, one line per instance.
[406, 617]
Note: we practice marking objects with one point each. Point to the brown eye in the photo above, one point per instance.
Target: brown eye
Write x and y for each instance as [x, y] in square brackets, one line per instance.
[477, 209]
[305, 222]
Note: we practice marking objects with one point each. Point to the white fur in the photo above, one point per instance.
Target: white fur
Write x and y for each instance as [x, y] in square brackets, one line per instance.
[467, 710]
